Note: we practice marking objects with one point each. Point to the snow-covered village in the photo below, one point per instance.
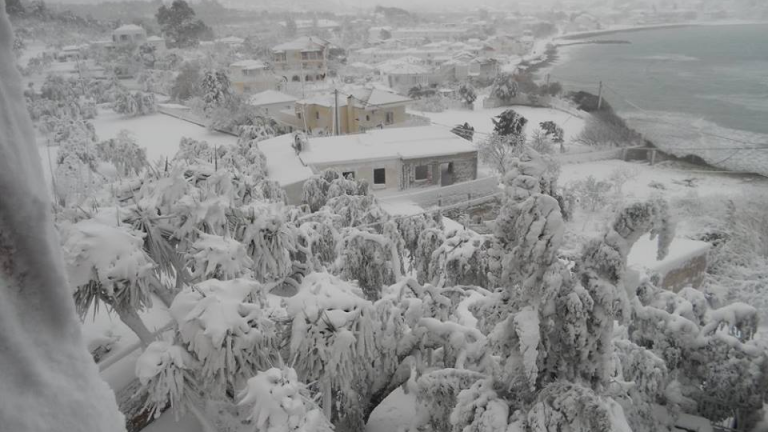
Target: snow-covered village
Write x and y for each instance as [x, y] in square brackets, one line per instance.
[383, 216]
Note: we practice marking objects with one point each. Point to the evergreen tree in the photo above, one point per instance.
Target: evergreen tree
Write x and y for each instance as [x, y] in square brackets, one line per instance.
[180, 26]
[509, 123]
[465, 131]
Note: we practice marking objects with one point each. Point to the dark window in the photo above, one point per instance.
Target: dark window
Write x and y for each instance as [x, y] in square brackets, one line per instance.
[349, 175]
[295, 78]
[298, 115]
[390, 117]
[317, 115]
[367, 117]
[379, 176]
[422, 172]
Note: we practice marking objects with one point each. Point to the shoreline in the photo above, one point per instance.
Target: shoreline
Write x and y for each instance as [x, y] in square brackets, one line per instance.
[639, 28]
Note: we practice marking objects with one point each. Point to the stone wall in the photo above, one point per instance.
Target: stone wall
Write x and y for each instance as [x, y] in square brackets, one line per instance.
[464, 169]
[691, 273]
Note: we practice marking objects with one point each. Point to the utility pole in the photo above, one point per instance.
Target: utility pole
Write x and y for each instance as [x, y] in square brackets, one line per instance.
[336, 122]
[600, 96]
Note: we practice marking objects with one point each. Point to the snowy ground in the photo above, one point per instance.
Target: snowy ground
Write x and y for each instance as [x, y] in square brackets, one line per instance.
[667, 179]
[481, 119]
[158, 133]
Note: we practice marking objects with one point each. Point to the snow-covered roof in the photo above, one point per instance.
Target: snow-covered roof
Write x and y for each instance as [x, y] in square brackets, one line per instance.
[304, 43]
[394, 67]
[128, 28]
[283, 165]
[383, 144]
[373, 96]
[249, 64]
[643, 254]
[367, 98]
[231, 40]
[269, 97]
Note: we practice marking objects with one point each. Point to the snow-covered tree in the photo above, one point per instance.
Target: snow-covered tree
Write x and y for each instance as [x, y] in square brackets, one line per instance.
[123, 152]
[467, 94]
[462, 259]
[498, 152]
[368, 258]
[134, 103]
[281, 403]
[226, 327]
[216, 89]
[510, 123]
[108, 266]
[553, 131]
[504, 87]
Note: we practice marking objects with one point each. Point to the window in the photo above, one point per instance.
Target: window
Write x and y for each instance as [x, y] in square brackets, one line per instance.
[422, 172]
[266, 111]
[304, 56]
[123, 37]
[390, 117]
[298, 115]
[379, 176]
[367, 117]
[317, 115]
[349, 175]
[295, 78]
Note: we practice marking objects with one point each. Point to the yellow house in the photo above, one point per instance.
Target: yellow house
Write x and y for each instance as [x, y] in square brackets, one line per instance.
[302, 60]
[358, 111]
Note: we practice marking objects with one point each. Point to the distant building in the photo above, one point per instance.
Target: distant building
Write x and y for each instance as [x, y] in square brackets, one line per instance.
[129, 33]
[248, 76]
[393, 159]
[302, 60]
[157, 42]
[509, 45]
[230, 41]
[272, 102]
[359, 110]
[71, 53]
[417, 35]
[404, 74]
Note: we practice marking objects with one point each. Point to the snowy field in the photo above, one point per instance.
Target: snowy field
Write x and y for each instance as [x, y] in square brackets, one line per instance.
[158, 133]
[481, 119]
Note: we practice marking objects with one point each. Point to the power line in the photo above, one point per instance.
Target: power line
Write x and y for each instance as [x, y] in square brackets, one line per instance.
[633, 105]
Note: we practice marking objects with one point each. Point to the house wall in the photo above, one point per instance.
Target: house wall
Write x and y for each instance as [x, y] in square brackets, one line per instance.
[690, 273]
[364, 170]
[351, 119]
[361, 120]
[256, 80]
[296, 67]
[464, 169]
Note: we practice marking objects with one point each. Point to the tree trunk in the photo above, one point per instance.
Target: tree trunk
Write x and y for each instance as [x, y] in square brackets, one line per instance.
[134, 322]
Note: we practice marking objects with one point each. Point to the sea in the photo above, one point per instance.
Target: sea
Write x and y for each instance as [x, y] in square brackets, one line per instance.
[699, 86]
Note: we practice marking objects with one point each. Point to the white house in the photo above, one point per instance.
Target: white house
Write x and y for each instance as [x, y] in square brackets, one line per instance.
[389, 159]
[403, 74]
[157, 42]
[252, 76]
[272, 101]
[129, 33]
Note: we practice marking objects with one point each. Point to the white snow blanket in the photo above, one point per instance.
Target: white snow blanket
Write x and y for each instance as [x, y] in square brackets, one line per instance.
[48, 381]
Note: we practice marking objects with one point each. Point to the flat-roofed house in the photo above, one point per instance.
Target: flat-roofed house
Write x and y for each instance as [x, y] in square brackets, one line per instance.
[129, 33]
[389, 159]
